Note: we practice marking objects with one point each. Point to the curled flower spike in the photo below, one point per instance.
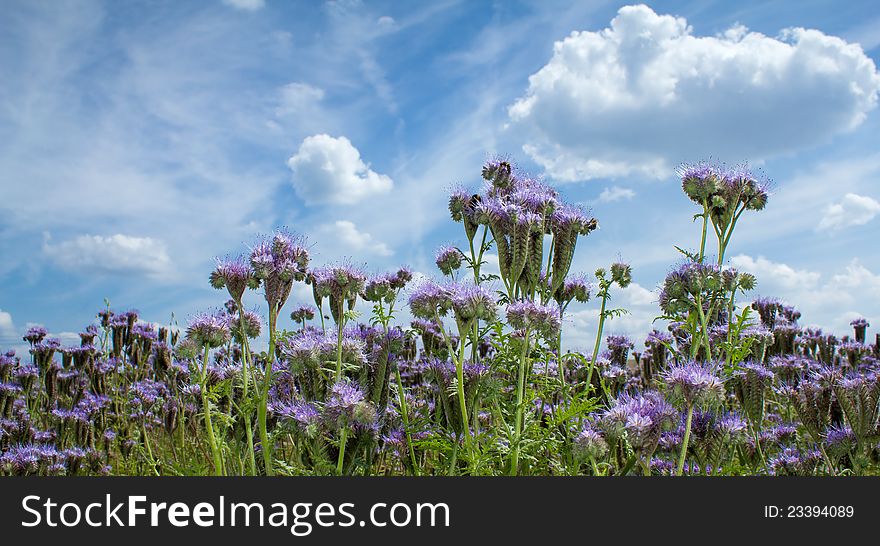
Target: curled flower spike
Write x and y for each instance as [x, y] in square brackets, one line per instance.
[209, 329]
[471, 302]
[543, 319]
[276, 263]
[302, 313]
[694, 384]
[753, 380]
[448, 259]
[235, 275]
[429, 300]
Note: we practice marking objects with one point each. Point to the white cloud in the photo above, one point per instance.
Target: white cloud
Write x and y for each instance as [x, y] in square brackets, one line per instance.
[245, 5]
[615, 193]
[112, 254]
[330, 170]
[7, 327]
[348, 234]
[829, 302]
[776, 274]
[857, 277]
[636, 294]
[852, 210]
[645, 93]
[298, 98]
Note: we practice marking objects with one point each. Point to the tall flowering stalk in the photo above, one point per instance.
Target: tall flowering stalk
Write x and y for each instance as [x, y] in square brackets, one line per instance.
[384, 290]
[692, 385]
[237, 276]
[209, 331]
[341, 285]
[277, 262]
[528, 318]
[621, 275]
[724, 193]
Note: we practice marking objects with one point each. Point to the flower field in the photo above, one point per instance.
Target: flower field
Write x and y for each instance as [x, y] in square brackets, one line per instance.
[478, 383]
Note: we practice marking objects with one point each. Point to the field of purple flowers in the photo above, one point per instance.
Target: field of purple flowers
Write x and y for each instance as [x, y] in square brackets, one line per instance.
[478, 384]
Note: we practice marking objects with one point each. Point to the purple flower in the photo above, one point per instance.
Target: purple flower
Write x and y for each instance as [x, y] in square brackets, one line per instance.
[209, 329]
[277, 262]
[590, 444]
[860, 322]
[304, 414]
[34, 335]
[429, 300]
[448, 259]
[235, 274]
[641, 418]
[574, 288]
[471, 302]
[303, 313]
[694, 384]
[543, 319]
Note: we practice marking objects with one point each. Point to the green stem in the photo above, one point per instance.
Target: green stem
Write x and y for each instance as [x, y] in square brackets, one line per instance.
[206, 405]
[343, 437]
[705, 229]
[462, 402]
[245, 388]
[685, 441]
[404, 413]
[264, 395]
[339, 328]
[598, 340]
[520, 387]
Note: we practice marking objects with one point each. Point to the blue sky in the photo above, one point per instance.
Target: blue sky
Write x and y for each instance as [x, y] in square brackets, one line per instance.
[142, 139]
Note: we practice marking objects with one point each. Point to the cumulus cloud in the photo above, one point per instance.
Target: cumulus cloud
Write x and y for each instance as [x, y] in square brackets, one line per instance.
[852, 210]
[829, 301]
[615, 193]
[348, 234]
[245, 5]
[330, 170]
[111, 254]
[646, 93]
[7, 327]
[777, 274]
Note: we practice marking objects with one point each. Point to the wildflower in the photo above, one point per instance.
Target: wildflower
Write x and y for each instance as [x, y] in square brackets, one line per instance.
[253, 324]
[302, 314]
[448, 259]
[341, 283]
[752, 382]
[345, 404]
[574, 288]
[276, 263]
[535, 317]
[34, 335]
[621, 273]
[208, 330]
[235, 275]
[430, 300]
[694, 384]
[641, 418]
[471, 302]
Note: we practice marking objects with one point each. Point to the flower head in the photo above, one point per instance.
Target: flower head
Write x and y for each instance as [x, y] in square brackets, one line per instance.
[542, 319]
[693, 383]
[448, 259]
[235, 274]
[429, 300]
[209, 329]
